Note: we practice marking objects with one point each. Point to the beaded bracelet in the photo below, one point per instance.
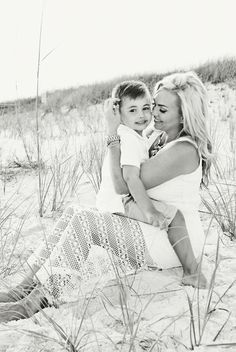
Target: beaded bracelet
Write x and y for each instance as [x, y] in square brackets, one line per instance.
[113, 144]
[113, 138]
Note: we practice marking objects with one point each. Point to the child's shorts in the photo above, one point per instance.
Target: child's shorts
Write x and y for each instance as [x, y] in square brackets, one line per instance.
[133, 211]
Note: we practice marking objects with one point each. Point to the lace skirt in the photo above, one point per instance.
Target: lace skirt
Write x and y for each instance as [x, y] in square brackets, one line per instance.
[70, 257]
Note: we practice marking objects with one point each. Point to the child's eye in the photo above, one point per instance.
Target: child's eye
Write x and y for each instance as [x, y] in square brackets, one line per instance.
[146, 108]
[132, 110]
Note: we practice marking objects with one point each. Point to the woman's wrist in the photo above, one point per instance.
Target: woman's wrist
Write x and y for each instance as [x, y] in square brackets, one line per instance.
[113, 139]
[114, 144]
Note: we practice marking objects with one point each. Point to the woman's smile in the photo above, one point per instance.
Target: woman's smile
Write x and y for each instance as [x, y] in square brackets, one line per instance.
[156, 120]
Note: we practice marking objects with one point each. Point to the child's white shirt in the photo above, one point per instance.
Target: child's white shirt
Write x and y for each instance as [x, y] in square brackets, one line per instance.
[134, 151]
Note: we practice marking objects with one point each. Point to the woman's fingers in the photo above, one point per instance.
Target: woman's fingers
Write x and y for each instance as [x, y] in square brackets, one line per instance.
[112, 114]
[164, 225]
[111, 104]
[155, 223]
[158, 220]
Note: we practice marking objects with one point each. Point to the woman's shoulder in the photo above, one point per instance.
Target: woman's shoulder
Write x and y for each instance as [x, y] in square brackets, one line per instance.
[184, 151]
[186, 140]
[184, 144]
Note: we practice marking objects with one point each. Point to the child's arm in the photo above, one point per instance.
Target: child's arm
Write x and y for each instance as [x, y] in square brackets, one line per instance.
[136, 188]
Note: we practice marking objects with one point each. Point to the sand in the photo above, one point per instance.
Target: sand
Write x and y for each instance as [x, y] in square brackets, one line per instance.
[150, 313]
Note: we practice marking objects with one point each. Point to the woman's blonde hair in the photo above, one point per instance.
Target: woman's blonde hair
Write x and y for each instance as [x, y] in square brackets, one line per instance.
[193, 100]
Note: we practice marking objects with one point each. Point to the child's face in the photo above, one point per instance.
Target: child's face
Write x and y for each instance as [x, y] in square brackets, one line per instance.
[136, 113]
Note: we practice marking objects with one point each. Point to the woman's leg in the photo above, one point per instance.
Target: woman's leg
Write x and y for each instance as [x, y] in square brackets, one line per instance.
[37, 259]
[179, 239]
[24, 308]
[119, 235]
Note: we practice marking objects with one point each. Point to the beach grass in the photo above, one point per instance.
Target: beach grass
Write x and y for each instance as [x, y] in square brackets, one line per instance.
[69, 155]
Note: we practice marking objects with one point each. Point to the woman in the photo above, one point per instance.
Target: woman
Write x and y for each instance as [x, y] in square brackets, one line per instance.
[173, 176]
[175, 173]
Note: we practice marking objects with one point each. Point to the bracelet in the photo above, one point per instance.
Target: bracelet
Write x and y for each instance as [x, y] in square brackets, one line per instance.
[113, 144]
[113, 138]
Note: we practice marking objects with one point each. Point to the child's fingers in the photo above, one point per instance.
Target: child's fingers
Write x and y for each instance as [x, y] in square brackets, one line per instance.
[149, 132]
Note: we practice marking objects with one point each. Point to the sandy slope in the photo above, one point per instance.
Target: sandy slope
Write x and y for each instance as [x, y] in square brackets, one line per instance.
[155, 301]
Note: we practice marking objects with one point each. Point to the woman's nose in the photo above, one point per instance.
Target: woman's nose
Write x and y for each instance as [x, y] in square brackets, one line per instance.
[155, 111]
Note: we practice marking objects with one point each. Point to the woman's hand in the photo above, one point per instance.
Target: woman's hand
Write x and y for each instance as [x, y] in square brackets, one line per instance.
[157, 219]
[112, 115]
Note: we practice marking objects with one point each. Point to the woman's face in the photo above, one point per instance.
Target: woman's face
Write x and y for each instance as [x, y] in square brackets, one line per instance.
[166, 113]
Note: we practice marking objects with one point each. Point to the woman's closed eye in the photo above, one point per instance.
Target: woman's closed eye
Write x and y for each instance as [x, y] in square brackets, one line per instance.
[163, 110]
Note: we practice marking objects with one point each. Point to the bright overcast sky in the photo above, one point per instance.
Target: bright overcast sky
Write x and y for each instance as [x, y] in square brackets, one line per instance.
[94, 40]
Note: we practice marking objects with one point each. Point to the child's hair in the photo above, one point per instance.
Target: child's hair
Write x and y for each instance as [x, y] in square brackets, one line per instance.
[131, 89]
[193, 101]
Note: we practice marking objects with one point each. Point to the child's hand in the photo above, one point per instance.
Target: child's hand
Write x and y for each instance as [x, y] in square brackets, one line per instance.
[148, 131]
[112, 114]
[156, 141]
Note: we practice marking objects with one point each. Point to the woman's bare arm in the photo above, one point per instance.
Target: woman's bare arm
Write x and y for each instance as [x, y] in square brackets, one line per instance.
[182, 158]
[178, 160]
[116, 171]
[169, 163]
[112, 117]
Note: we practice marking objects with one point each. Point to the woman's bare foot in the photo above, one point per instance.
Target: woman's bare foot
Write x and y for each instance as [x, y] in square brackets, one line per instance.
[194, 277]
[24, 308]
[19, 292]
[197, 280]
[12, 311]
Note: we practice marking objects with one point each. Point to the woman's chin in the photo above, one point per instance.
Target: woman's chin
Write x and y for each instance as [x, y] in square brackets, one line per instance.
[159, 127]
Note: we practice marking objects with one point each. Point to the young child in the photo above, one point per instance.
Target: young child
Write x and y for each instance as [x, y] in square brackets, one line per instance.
[135, 113]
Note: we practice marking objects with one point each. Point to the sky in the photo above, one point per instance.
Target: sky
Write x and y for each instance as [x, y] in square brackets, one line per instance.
[95, 40]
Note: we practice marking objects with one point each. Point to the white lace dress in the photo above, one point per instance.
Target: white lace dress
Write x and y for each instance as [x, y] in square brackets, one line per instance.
[63, 258]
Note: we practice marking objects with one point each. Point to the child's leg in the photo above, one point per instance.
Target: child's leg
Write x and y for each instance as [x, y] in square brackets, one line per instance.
[179, 239]
[132, 211]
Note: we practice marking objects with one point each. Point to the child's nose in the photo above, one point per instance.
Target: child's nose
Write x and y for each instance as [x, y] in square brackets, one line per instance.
[141, 113]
